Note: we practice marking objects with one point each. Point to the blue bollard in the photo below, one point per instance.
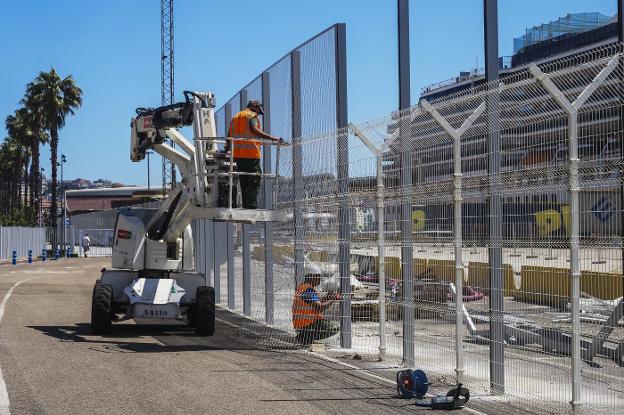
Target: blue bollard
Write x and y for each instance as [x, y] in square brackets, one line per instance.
[14, 258]
[44, 254]
[57, 253]
[30, 256]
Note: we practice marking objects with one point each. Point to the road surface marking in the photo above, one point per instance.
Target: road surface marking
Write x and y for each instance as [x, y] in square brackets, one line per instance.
[4, 395]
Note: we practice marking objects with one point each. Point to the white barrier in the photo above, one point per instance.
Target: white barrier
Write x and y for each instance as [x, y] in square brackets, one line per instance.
[21, 239]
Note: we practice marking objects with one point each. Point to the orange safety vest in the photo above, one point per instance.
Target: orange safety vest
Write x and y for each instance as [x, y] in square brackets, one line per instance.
[239, 127]
[303, 314]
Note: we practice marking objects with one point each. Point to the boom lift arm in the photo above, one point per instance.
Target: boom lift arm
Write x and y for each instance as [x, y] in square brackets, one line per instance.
[205, 169]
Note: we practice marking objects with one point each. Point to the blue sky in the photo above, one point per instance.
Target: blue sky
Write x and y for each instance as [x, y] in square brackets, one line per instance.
[112, 49]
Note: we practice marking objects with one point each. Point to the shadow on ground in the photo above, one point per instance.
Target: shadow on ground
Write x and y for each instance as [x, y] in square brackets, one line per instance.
[233, 332]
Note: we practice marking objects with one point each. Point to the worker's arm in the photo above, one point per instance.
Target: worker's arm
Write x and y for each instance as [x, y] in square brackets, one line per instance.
[261, 134]
[327, 300]
[311, 297]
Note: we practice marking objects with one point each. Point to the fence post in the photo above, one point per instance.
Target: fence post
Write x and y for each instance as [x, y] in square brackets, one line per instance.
[209, 251]
[620, 14]
[406, 183]
[297, 163]
[381, 257]
[456, 135]
[216, 252]
[246, 243]
[381, 272]
[246, 271]
[342, 160]
[575, 265]
[269, 293]
[220, 233]
[571, 109]
[495, 251]
[231, 277]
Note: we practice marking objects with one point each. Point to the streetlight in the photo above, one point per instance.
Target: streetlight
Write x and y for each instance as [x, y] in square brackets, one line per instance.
[41, 196]
[64, 201]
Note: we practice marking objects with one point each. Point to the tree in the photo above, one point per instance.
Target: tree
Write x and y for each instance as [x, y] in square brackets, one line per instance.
[19, 137]
[51, 98]
[25, 125]
[12, 161]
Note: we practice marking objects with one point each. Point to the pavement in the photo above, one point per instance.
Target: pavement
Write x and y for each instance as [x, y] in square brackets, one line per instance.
[51, 364]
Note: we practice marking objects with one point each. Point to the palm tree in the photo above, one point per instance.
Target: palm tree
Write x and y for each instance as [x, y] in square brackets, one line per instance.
[11, 168]
[26, 124]
[18, 137]
[51, 98]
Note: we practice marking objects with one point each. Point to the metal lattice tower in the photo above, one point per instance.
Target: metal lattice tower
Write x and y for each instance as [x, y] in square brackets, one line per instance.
[167, 80]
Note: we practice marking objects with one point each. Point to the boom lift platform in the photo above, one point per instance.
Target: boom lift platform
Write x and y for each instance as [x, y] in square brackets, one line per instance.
[153, 275]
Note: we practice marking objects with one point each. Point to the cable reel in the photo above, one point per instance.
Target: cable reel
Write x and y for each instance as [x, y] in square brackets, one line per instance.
[414, 384]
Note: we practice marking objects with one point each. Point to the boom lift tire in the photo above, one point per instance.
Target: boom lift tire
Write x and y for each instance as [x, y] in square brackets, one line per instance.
[204, 313]
[101, 308]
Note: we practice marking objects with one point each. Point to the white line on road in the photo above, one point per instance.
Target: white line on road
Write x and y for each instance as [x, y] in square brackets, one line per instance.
[4, 395]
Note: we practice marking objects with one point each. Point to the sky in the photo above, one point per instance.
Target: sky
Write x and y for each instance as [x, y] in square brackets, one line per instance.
[112, 49]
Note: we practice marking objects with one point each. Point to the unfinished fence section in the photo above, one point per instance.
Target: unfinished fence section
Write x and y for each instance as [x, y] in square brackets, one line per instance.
[556, 302]
[303, 93]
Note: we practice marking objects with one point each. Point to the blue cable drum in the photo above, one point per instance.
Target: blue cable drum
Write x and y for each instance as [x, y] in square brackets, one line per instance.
[412, 383]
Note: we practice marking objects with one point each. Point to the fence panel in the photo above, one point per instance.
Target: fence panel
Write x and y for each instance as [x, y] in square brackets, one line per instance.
[21, 239]
[560, 188]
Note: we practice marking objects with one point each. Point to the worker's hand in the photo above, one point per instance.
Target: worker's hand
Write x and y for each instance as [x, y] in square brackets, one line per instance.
[281, 142]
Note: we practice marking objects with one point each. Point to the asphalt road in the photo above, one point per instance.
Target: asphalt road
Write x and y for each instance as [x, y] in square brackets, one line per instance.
[51, 364]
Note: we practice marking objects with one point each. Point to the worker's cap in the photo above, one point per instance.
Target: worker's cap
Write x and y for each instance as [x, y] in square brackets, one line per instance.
[256, 105]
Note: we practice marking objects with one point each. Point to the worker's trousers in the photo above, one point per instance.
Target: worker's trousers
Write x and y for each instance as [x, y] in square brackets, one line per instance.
[249, 184]
[319, 330]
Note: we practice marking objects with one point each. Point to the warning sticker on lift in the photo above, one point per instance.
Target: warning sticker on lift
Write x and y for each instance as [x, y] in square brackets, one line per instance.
[124, 234]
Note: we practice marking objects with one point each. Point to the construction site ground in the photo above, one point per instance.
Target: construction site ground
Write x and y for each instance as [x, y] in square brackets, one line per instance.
[51, 363]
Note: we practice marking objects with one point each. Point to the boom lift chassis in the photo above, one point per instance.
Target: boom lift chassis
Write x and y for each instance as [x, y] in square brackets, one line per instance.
[153, 275]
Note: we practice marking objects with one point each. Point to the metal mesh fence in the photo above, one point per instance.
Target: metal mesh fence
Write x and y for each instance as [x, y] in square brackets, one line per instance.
[241, 252]
[544, 323]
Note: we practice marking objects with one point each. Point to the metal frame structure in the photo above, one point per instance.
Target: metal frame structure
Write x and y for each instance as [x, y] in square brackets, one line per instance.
[495, 251]
[167, 78]
[406, 181]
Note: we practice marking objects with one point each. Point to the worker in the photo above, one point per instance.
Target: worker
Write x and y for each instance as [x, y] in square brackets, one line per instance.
[86, 244]
[246, 124]
[308, 307]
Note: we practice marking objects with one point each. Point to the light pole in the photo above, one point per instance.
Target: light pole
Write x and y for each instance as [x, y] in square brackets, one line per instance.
[63, 161]
[41, 197]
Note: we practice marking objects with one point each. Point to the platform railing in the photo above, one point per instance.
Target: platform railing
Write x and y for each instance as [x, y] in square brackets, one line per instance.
[232, 172]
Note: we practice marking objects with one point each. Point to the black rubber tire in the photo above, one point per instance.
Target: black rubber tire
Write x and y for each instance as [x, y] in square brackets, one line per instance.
[204, 313]
[101, 308]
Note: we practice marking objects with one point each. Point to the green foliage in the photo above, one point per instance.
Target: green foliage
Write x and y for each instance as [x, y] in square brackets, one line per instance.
[24, 216]
[46, 103]
[52, 98]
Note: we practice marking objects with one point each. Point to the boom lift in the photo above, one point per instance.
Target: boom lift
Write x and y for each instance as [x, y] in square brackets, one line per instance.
[153, 275]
